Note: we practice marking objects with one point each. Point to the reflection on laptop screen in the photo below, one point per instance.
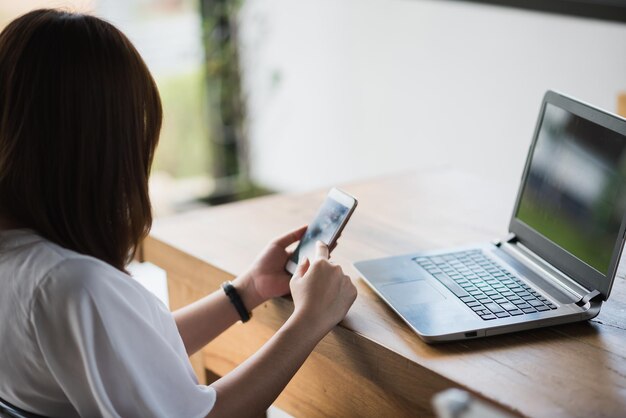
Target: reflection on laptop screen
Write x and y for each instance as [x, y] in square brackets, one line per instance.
[574, 189]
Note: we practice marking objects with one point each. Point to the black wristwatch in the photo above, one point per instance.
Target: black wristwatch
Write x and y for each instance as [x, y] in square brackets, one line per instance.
[235, 299]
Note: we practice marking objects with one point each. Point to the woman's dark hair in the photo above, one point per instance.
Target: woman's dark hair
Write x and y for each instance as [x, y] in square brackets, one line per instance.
[80, 117]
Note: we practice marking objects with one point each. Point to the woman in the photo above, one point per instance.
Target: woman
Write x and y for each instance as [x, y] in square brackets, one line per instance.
[79, 121]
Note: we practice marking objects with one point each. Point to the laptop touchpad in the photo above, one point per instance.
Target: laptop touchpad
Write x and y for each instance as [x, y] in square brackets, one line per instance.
[411, 293]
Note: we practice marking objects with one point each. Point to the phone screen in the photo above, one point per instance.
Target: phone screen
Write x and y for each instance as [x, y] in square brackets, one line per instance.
[328, 221]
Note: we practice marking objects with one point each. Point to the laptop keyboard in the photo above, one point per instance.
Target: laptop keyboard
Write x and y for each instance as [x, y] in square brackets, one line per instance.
[488, 289]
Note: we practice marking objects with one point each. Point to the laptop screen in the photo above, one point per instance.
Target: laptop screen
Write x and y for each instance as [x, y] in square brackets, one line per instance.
[574, 190]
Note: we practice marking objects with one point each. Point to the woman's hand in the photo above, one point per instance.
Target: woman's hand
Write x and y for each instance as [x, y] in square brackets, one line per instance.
[321, 292]
[322, 295]
[267, 277]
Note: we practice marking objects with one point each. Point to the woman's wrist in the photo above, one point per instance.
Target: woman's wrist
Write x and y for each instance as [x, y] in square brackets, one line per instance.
[305, 327]
[247, 291]
[314, 325]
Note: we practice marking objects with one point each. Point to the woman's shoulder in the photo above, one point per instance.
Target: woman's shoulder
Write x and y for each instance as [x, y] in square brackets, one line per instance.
[29, 257]
[76, 273]
[83, 288]
[37, 267]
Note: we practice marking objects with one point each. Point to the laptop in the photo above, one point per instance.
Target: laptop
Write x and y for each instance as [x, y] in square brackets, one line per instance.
[559, 259]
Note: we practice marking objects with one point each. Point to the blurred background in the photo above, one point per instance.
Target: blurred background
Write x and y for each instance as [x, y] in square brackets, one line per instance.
[284, 96]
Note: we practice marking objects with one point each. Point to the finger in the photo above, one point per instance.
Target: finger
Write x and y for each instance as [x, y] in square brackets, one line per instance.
[290, 237]
[321, 251]
[302, 268]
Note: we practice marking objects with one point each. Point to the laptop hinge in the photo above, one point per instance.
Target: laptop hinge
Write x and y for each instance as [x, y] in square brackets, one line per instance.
[510, 239]
[589, 297]
[511, 245]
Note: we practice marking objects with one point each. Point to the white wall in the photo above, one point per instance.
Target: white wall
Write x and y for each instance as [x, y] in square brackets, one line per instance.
[345, 89]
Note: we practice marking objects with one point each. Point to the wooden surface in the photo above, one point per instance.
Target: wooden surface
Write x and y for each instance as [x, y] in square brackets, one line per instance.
[372, 364]
[621, 105]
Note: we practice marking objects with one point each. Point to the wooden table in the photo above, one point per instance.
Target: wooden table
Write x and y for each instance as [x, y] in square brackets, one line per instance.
[372, 364]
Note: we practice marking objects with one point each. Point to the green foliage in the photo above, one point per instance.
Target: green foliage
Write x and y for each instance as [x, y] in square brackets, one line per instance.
[227, 122]
[184, 149]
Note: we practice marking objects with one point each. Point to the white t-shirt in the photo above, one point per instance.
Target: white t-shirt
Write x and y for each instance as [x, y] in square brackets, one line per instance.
[80, 338]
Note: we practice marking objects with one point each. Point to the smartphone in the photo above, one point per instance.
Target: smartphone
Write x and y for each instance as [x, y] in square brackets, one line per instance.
[327, 225]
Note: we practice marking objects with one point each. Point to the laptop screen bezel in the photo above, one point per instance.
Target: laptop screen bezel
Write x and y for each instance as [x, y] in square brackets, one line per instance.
[563, 260]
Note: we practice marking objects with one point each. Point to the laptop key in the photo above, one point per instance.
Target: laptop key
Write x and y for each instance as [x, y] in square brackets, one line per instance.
[450, 284]
[542, 308]
[502, 314]
[529, 310]
[508, 306]
[494, 307]
[466, 298]
[487, 317]
[516, 312]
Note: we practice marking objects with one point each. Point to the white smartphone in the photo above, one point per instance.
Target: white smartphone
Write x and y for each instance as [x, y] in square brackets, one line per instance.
[326, 226]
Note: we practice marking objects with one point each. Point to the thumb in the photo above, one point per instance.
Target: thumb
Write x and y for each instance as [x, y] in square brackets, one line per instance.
[302, 267]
